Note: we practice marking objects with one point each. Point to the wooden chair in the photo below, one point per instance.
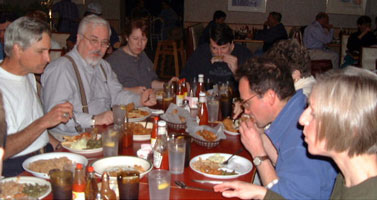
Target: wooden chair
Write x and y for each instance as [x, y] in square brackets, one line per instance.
[320, 66]
[368, 58]
[193, 34]
[343, 47]
[167, 48]
[60, 38]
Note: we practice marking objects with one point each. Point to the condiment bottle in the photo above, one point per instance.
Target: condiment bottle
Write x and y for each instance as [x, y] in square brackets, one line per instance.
[179, 95]
[154, 130]
[184, 87]
[200, 87]
[203, 110]
[160, 150]
[78, 186]
[91, 188]
[106, 192]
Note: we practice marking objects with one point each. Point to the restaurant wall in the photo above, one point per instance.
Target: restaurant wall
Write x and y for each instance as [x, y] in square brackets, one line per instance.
[294, 12]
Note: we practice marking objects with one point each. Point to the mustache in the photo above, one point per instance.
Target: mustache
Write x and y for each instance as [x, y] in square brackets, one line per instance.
[98, 52]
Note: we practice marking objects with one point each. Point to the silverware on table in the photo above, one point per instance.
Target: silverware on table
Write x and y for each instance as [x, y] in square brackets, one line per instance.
[184, 186]
[227, 161]
[77, 125]
[207, 181]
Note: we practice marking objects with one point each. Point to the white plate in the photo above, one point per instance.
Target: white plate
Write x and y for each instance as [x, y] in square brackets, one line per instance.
[143, 137]
[103, 164]
[230, 132]
[141, 118]
[240, 164]
[84, 151]
[30, 180]
[75, 158]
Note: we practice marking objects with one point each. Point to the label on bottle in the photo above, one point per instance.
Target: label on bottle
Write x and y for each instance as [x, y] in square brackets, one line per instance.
[153, 142]
[179, 100]
[157, 159]
[78, 195]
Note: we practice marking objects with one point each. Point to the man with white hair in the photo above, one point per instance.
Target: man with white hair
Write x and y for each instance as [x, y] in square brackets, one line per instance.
[87, 81]
[27, 42]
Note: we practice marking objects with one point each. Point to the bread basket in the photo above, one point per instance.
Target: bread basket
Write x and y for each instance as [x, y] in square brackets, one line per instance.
[206, 144]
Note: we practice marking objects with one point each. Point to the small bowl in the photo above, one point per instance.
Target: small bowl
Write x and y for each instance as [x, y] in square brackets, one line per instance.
[206, 144]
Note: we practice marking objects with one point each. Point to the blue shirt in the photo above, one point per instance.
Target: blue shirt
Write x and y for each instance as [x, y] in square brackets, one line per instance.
[1, 52]
[316, 37]
[301, 175]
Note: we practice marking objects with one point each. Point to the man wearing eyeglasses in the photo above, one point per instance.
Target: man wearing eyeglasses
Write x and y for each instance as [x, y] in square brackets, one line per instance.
[282, 161]
[100, 87]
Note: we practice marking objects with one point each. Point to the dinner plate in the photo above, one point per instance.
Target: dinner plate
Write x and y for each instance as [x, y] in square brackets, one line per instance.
[30, 180]
[143, 137]
[240, 164]
[75, 158]
[127, 162]
[230, 132]
[141, 118]
[83, 151]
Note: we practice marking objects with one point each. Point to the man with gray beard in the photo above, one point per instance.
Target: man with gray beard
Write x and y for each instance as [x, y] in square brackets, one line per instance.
[84, 79]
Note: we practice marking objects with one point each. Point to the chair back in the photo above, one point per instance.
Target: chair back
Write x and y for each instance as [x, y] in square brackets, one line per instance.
[343, 47]
[368, 58]
[196, 31]
[60, 38]
[296, 34]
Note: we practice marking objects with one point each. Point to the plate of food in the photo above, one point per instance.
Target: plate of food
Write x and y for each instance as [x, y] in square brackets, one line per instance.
[137, 114]
[24, 187]
[231, 127]
[40, 165]
[141, 130]
[210, 166]
[84, 143]
[116, 164]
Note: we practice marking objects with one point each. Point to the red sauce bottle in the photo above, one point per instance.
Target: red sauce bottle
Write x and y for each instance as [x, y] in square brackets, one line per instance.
[203, 110]
[78, 187]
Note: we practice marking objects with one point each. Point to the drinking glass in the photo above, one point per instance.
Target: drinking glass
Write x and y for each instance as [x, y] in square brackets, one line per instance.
[119, 114]
[61, 183]
[110, 142]
[213, 110]
[128, 184]
[159, 184]
[177, 150]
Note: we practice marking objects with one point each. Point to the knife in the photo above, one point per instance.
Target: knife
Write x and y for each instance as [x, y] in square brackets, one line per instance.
[207, 181]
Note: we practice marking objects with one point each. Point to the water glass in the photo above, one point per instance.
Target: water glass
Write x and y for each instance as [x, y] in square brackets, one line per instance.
[177, 150]
[110, 142]
[213, 110]
[159, 184]
[119, 114]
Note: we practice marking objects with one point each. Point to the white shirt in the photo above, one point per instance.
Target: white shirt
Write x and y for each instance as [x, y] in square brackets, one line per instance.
[22, 106]
[305, 84]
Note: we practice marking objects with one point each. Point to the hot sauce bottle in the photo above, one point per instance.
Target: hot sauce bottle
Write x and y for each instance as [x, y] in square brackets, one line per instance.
[78, 186]
[203, 110]
[200, 87]
[154, 130]
[179, 95]
[184, 87]
[91, 188]
[106, 192]
[160, 149]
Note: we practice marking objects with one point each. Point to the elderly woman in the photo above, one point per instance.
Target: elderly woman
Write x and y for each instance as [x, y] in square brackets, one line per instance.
[340, 123]
[131, 64]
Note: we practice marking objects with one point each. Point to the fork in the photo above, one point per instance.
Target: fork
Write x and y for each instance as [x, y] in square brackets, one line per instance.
[77, 125]
[227, 161]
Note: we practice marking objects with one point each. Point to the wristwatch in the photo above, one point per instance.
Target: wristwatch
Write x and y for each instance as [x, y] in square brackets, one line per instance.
[259, 159]
[93, 121]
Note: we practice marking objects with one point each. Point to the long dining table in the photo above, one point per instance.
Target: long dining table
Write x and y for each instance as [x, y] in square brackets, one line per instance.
[230, 145]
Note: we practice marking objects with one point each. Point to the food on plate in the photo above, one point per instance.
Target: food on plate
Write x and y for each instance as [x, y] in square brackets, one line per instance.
[229, 126]
[207, 135]
[83, 141]
[133, 112]
[44, 166]
[114, 171]
[217, 59]
[212, 165]
[181, 118]
[138, 129]
[16, 190]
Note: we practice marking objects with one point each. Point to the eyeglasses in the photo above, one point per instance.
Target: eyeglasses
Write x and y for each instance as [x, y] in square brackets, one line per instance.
[245, 103]
[95, 42]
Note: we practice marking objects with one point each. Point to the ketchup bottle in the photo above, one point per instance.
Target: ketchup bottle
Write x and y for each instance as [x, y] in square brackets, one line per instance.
[200, 86]
[203, 110]
[154, 130]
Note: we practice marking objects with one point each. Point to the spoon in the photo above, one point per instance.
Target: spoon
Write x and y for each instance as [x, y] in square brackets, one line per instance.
[182, 185]
[227, 161]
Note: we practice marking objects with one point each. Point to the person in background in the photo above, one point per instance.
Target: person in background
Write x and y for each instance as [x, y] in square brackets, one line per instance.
[364, 37]
[95, 8]
[101, 87]
[27, 42]
[68, 16]
[350, 141]
[316, 36]
[170, 19]
[375, 30]
[218, 18]
[5, 19]
[269, 98]
[218, 60]
[140, 11]
[131, 64]
[273, 31]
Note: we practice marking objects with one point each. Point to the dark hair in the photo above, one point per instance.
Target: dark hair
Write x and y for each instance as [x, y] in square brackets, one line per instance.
[219, 14]
[266, 73]
[276, 16]
[135, 24]
[321, 15]
[7, 17]
[362, 20]
[221, 34]
[296, 56]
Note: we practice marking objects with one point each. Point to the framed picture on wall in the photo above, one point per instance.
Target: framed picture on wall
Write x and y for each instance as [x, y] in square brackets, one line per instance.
[247, 5]
[350, 7]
